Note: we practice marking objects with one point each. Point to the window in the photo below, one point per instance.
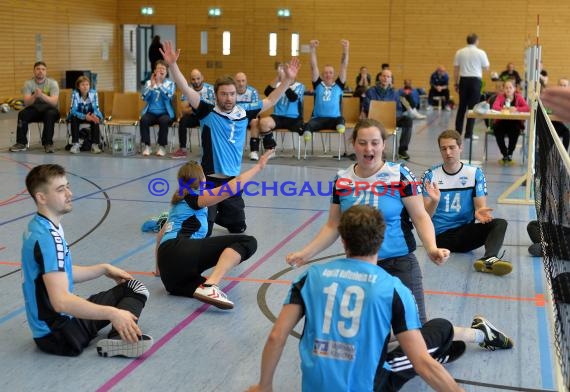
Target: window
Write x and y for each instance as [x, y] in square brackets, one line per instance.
[203, 42]
[294, 44]
[273, 44]
[226, 43]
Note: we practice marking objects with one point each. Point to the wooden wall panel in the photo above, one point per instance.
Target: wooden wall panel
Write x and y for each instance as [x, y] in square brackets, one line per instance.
[72, 36]
[413, 36]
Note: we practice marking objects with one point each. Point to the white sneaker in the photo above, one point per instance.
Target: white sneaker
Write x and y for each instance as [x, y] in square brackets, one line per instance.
[95, 149]
[429, 108]
[160, 151]
[254, 156]
[119, 347]
[146, 150]
[307, 135]
[75, 148]
[417, 115]
[214, 296]
[447, 108]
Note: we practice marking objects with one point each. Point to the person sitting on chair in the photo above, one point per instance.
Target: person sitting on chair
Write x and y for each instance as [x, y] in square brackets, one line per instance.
[85, 109]
[510, 101]
[439, 87]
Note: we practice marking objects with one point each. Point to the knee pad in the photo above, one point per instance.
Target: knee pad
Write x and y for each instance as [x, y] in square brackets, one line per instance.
[138, 287]
[269, 143]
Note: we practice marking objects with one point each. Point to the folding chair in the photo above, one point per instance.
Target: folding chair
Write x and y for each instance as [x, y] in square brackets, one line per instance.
[385, 113]
[125, 112]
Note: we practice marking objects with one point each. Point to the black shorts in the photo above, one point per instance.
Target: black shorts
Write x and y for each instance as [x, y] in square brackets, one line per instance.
[292, 124]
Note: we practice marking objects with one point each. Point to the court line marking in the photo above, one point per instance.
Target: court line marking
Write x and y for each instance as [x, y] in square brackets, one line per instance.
[538, 299]
[117, 378]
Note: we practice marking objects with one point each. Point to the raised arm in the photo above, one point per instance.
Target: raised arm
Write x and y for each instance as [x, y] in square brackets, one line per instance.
[171, 55]
[325, 238]
[343, 61]
[290, 71]
[314, 65]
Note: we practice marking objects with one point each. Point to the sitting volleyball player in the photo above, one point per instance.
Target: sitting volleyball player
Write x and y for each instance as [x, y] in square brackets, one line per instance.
[350, 306]
[456, 197]
[63, 323]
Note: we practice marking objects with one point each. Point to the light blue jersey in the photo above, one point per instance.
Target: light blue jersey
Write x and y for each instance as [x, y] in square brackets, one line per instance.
[455, 207]
[350, 306]
[223, 136]
[44, 250]
[249, 96]
[186, 219]
[328, 99]
[290, 108]
[206, 93]
[385, 191]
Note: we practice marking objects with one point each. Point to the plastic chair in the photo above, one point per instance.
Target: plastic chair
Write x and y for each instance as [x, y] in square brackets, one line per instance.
[385, 113]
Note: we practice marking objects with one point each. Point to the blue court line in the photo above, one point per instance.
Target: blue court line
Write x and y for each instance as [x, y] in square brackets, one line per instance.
[95, 192]
[116, 261]
[546, 367]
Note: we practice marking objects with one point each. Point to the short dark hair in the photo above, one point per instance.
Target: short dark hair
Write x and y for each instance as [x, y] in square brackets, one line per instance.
[225, 80]
[39, 63]
[472, 39]
[41, 175]
[362, 229]
[385, 66]
[368, 123]
[450, 134]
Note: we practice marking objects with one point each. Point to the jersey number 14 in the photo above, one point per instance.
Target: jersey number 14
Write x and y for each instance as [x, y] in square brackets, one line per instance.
[455, 204]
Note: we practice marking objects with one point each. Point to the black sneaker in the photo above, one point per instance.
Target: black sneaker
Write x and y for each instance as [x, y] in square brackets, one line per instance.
[18, 147]
[494, 338]
[456, 350]
[535, 250]
[493, 265]
[48, 148]
[403, 155]
[121, 348]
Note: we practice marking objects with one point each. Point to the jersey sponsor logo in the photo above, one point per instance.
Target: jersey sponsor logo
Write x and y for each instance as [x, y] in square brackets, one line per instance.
[334, 350]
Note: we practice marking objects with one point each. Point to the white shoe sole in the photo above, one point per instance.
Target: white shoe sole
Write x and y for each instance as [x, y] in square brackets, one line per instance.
[120, 348]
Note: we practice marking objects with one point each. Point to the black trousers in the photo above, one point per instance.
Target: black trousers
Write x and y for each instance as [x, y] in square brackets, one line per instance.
[182, 260]
[229, 213]
[434, 93]
[405, 123]
[315, 124]
[187, 121]
[95, 131]
[70, 336]
[44, 113]
[469, 96]
[473, 235]
[163, 122]
[438, 335]
[510, 129]
[562, 131]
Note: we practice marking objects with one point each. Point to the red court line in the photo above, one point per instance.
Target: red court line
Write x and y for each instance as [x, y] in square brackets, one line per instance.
[184, 323]
[538, 299]
[2, 247]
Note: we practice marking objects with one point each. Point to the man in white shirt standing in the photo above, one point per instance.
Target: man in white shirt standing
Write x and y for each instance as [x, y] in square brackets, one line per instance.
[469, 64]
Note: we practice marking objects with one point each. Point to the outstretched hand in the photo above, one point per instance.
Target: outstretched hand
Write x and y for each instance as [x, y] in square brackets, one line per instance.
[265, 158]
[292, 68]
[344, 43]
[295, 259]
[169, 53]
[432, 190]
